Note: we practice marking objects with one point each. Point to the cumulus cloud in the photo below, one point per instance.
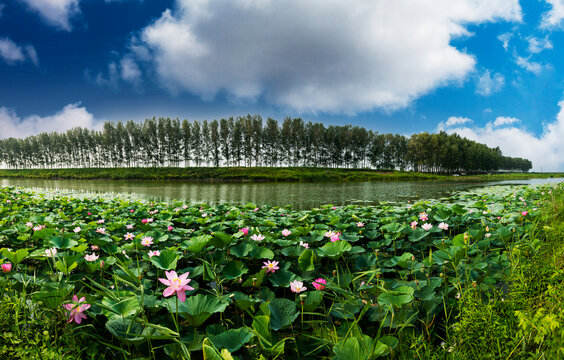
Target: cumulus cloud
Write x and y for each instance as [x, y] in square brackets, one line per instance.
[127, 70]
[505, 38]
[453, 121]
[130, 71]
[553, 17]
[315, 55]
[488, 83]
[13, 53]
[537, 45]
[529, 65]
[70, 116]
[502, 120]
[55, 12]
[546, 150]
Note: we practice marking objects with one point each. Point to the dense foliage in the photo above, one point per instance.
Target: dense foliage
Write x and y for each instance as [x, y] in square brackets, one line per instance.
[246, 141]
[349, 282]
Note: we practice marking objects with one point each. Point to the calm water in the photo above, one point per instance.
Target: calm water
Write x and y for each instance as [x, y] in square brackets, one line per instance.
[299, 195]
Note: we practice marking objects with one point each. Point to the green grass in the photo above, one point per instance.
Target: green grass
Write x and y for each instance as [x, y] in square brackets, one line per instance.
[290, 174]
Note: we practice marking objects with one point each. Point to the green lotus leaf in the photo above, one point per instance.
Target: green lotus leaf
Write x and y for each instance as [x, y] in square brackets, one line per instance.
[262, 252]
[120, 307]
[232, 339]
[196, 243]
[306, 259]
[397, 297]
[166, 260]
[244, 301]
[234, 270]
[282, 313]
[197, 308]
[241, 250]
[53, 295]
[126, 330]
[335, 249]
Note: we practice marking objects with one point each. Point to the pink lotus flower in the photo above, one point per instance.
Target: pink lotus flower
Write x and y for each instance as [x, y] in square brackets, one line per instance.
[330, 234]
[77, 229]
[170, 228]
[427, 226]
[129, 227]
[257, 237]
[359, 224]
[51, 252]
[256, 209]
[91, 257]
[154, 253]
[414, 225]
[335, 238]
[270, 266]
[147, 241]
[95, 247]
[29, 224]
[304, 244]
[131, 210]
[101, 230]
[244, 230]
[487, 235]
[6, 268]
[524, 213]
[317, 283]
[150, 220]
[297, 286]
[185, 207]
[176, 284]
[89, 214]
[443, 226]
[101, 221]
[144, 221]
[39, 227]
[286, 232]
[423, 216]
[76, 309]
[129, 236]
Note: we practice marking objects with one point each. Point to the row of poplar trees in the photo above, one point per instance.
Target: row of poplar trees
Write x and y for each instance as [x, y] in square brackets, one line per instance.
[249, 141]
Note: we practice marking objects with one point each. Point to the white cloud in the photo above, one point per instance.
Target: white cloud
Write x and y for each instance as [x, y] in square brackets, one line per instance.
[13, 53]
[315, 55]
[55, 12]
[488, 84]
[453, 121]
[130, 71]
[70, 116]
[502, 120]
[528, 65]
[504, 38]
[537, 45]
[553, 17]
[546, 151]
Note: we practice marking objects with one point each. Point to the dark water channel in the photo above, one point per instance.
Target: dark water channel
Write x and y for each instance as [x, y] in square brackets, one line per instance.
[299, 195]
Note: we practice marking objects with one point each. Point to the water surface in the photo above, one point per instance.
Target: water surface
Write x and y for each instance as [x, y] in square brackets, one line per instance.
[299, 195]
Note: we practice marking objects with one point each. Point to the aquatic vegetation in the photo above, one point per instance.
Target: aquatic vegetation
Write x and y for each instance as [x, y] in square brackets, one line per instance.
[344, 282]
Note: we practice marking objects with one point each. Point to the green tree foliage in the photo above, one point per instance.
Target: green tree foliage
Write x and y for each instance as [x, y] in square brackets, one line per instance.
[247, 141]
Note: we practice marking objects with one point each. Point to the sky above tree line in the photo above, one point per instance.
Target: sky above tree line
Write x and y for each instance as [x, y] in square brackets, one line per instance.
[490, 70]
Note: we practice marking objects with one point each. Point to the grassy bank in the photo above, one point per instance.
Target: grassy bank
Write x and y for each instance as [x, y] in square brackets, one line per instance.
[294, 174]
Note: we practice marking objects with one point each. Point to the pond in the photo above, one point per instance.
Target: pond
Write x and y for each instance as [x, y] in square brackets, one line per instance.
[300, 195]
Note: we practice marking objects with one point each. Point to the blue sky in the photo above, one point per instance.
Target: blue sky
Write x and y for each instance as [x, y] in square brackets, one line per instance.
[490, 70]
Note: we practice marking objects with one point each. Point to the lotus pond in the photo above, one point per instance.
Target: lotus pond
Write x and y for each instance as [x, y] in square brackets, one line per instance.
[154, 280]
